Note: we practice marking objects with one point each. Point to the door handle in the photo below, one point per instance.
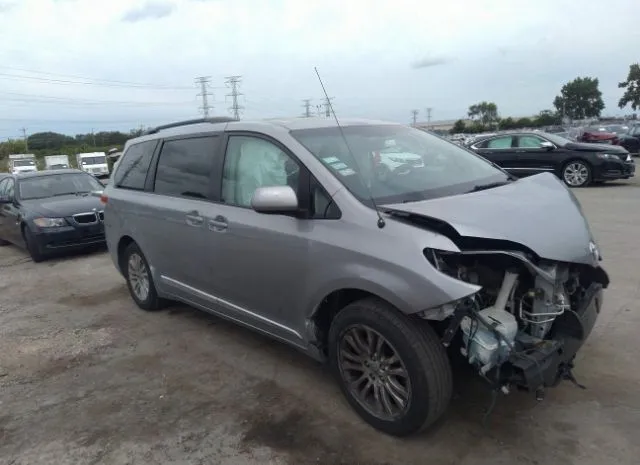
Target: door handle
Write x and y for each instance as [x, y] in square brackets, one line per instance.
[194, 219]
[218, 224]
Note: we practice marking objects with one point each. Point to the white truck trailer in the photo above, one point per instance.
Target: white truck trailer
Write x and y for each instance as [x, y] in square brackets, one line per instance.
[22, 163]
[94, 163]
[56, 162]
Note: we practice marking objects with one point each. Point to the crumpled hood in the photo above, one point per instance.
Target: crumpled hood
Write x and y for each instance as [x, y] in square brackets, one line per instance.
[538, 212]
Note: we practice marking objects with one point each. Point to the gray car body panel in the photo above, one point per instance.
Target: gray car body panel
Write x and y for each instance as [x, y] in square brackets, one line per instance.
[272, 272]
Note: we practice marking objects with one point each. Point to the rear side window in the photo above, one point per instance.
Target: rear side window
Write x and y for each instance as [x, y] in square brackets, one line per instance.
[184, 167]
[133, 167]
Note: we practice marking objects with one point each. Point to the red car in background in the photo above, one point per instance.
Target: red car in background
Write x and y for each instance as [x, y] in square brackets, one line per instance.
[598, 135]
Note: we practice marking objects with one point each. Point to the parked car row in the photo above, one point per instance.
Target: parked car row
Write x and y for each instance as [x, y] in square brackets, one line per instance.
[379, 249]
[577, 164]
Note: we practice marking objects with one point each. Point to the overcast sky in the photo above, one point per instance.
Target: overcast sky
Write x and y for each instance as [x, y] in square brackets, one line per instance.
[378, 58]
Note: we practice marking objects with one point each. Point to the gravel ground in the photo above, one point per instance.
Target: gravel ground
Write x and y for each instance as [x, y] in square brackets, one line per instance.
[85, 377]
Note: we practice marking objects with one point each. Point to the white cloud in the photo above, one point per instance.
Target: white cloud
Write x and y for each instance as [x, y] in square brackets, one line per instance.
[378, 58]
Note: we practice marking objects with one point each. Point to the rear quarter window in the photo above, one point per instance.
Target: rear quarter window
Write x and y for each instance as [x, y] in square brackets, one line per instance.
[134, 165]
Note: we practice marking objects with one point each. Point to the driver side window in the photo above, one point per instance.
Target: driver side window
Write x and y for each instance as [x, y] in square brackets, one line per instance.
[252, 162]
[3, 187]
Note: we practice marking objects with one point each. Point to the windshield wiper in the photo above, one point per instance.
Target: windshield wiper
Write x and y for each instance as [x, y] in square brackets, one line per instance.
[491, 185]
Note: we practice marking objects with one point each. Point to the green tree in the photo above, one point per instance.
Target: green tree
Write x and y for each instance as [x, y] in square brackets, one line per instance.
[524, 123]
[580, 99]
[507, 123]
[484, 112]
[632, 88]
[458, 127]
[547, 118]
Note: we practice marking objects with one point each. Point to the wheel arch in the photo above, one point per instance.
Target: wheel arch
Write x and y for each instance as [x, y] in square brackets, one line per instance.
[575, 158]
[123, 243]
[334, 300]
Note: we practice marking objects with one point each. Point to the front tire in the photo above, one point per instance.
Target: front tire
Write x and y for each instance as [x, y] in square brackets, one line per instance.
[576, 173]
[393, 371]
[139, 279]
[32, 246]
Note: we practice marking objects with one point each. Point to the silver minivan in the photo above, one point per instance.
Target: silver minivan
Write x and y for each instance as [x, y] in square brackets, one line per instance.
[289, 228]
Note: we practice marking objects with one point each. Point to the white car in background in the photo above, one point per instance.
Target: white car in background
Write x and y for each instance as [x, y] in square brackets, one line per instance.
[393, 160]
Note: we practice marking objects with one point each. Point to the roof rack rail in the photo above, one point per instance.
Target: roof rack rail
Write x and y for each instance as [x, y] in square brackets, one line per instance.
[215, 119]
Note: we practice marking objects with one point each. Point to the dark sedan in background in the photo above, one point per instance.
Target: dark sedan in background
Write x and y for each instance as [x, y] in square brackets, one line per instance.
[577, 164]
[630, 140]
[50, 211]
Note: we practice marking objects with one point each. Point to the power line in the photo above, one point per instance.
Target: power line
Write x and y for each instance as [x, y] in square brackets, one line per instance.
[87, 83]
[307, 107]
[97, 80]
[204, 84]
[234, 83]
[19, 97]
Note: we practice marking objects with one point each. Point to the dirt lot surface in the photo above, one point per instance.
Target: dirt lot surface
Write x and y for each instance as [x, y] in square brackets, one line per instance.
[86, 377]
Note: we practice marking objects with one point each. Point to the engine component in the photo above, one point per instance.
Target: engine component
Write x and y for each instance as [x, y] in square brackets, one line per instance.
[489, 334]
[542, 305]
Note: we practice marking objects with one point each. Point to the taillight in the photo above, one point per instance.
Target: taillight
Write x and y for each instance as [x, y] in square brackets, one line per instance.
[104, 199]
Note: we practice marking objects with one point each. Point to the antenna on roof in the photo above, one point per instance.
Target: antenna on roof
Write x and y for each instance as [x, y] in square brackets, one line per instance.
[381, 222]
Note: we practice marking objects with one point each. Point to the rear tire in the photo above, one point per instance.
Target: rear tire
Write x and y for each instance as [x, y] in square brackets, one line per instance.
[139, 280]
[32, 246]
[411, 365]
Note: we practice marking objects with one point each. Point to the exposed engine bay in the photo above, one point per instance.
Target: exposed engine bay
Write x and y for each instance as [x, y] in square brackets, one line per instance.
[525, 325]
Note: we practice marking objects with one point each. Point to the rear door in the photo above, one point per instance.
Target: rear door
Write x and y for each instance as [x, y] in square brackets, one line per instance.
[533, 158]
[176, 230]
[500, 150]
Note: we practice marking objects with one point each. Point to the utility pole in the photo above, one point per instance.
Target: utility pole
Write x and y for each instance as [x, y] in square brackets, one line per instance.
[307, 107]
[93, 136]
[204, 83]
[234, 83]
[26, 140]
[429, 109]
[414, 117]
[327, 106]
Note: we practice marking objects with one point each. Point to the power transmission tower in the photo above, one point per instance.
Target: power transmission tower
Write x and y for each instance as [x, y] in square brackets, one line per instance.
[429, 117]
[26, 139]
[307, 107]
[234, 83]
[414, 117]
[327, 107]
[204, 83]
[319, 109]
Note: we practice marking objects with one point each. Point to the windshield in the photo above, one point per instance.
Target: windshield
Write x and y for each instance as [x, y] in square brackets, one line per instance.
[24, 163]
[57, 184]
[437, 168]
[99, 160]
[616, 129]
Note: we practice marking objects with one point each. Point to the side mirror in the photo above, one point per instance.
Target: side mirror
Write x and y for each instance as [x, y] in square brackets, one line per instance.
[274, 199]
[547, 145]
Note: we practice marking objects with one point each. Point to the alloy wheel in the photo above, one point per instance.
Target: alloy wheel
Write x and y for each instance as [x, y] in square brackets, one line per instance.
[576, 174]
[374, 372]
[138, 276]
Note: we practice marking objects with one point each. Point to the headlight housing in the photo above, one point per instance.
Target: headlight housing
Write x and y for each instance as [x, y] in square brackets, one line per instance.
[607, 156]
[49, 222]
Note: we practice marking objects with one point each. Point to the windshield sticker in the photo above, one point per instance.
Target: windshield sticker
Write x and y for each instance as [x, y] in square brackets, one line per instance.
[347, 172]
[330, 160]
[339, 166]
